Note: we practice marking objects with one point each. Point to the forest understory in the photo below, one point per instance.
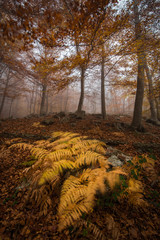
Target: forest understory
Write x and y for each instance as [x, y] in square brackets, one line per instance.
[114, 219]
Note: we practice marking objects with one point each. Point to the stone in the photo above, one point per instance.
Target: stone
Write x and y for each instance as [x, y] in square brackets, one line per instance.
[114, 160]
[80, 115]
[47, 122]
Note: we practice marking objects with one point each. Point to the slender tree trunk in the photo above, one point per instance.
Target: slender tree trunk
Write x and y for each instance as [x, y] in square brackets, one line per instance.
[47, 103]
[137, 115]
[158, 107]
[35, 101]
[10, 108]
[66, 102]
[151, 94]
[80, 105]
[4, 94]
[42, 107]
[103, 105]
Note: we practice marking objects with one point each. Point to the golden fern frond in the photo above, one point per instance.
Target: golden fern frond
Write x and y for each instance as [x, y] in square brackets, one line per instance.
[56, 169]
[13, 141]
[57, 134]
[37, 195]
[92, 145]
[90, 227]
[59, 154]
[136, 198]
[45, 205]
[41, 143]
[135, 186]
[73, 213]
[23, 146]
[72, 196]
[39, 152]
[112, 177]
[85, 176]
[94, 187]
[71, 182]
[75, 140]
[97, 148]
[61, 146]
[65, 139]
[91, 158]
[149, 160]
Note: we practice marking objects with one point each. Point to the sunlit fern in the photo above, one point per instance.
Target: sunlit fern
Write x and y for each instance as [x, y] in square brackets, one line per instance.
[80, 167]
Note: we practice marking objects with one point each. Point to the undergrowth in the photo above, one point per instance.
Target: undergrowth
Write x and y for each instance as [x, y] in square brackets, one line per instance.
[77, 169]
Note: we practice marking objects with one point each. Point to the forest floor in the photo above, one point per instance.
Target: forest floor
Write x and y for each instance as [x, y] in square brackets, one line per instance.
[119, 221]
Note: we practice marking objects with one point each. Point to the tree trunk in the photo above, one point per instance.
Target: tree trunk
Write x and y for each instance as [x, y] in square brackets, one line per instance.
[151, 93]
[157, 101]
[137, 115]
[47, 103]
[43, 106]
[35, 102]
[10, 108]
[66, 102]
[103, 105]
[4, 94]
[80, 105]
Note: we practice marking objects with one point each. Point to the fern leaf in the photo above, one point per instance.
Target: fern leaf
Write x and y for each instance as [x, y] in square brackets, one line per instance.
[72, 196]
[71, 182]
[76, 140]
[136, 198]
[134, 186]
[57, 168]
[59, 154]
[41, 143]
[112, 177]
[39, 152]
[92, 228]
[86, 175]
[23, 146]
[91, 158]
[73, 213]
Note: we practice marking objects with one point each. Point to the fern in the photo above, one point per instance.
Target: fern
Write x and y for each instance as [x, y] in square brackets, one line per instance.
[87, 168]
[58, 155]
[72, 196]
[90, 227]
[57, 169]
[73, 213]
[91, 158]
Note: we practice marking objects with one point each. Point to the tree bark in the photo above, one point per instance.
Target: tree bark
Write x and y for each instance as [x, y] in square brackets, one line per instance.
[10, 108]
[4, 93]
[81, 100]
[157, 101]
[151, 93]
[137, 115]
[43, 107]
[103, 104]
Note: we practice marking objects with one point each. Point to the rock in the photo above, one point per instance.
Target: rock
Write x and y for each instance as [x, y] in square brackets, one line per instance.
[112, 151]
[73, 124]
[47, 122]
[124, 158]
[59, 115]
[114, 160]
[32, 116]
[72, 115]
[80, 115]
